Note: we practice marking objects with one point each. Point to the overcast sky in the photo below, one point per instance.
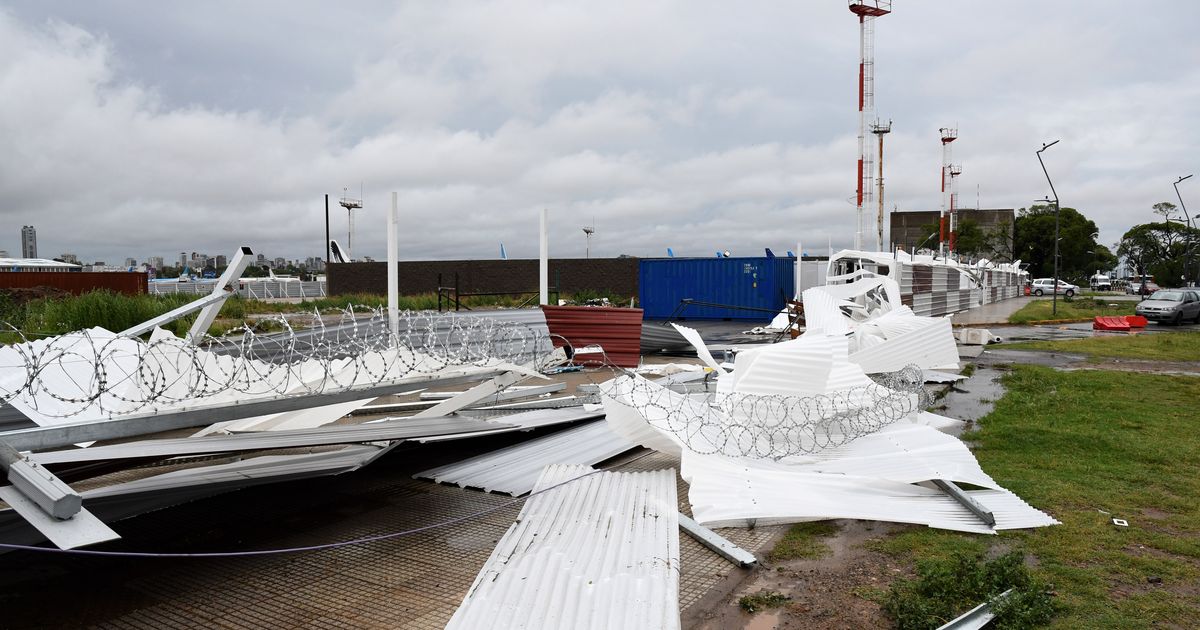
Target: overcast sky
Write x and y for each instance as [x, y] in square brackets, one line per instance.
[151, 128]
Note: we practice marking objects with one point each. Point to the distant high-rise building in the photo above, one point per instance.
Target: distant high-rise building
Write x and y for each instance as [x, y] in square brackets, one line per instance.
[155, 261]
[130, 262]
[183, 259]
[3, 253]
[69, 258]
[280, 262]
[222, 260]
[28, 242]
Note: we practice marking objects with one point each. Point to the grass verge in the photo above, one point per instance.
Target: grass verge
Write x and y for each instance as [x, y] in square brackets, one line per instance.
[763, 600]
[1182, 346]
[1087, 446]
[113, 311]
[1079, 308]
[803, 540]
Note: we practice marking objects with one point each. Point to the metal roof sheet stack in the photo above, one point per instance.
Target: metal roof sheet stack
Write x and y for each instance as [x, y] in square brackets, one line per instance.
[601, 551]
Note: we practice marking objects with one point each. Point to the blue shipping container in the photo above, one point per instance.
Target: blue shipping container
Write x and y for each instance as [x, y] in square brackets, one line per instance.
[761, 284]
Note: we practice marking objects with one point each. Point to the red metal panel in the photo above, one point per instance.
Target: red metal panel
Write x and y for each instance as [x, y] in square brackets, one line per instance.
[617, 330]
[77, 282]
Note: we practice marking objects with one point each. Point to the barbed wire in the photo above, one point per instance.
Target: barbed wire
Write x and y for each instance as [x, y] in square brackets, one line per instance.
[772, 426]
[97, 373]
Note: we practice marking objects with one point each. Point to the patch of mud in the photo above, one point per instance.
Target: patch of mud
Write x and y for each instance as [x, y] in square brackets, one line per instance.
[1173, 368]
[825, 592]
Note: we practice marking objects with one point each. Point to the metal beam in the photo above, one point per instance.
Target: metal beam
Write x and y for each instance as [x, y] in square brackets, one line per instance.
[42, 438]
[173, 315]
[716, 542]
[956, 493]
[82, 529]
[204, 320]
[977, 617]
[473, 396]
[509, 394]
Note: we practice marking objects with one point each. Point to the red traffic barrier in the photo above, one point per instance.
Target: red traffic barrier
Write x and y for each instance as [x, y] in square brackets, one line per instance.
[1110, 323]
[1136, 321]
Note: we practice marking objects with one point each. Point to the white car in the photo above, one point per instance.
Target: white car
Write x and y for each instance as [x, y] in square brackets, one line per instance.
[1042, 286]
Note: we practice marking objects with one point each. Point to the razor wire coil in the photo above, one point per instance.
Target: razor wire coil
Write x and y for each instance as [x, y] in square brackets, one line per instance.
[95, 372]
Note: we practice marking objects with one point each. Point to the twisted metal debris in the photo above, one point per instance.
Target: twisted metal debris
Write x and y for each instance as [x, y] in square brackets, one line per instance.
[773, 426]
[97, 373]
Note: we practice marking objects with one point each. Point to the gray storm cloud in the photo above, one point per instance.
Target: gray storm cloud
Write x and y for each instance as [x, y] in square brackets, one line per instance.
[696, 126]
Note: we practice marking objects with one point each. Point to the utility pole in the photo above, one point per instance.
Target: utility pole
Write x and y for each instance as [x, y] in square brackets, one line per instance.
[1054, 306]
[1191, 237]
[881, 131]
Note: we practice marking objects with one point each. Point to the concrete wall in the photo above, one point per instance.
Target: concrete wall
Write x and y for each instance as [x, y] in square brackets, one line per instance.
[611, 275]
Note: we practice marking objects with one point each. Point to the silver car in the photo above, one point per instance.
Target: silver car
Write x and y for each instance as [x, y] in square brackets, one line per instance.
[1171, 305]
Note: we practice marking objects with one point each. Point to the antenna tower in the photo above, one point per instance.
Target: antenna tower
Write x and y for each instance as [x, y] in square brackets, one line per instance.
[880, 131]
[948, 135]
[867, 11]
[588, 231]
[350, 205]
[955, 171]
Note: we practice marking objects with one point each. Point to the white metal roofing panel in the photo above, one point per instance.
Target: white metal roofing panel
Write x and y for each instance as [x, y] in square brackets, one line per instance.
[524, 421]
[902, 451]
[929, 346]
[400, 429]
[514, 470]
[728, 492]
[601, 552]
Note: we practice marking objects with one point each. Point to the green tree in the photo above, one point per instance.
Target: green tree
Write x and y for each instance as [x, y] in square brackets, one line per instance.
[1079, 253]
[1160, 250]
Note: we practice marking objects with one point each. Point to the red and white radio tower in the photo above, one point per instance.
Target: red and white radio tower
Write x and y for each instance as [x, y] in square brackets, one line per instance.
[948, 135]
[867, 11]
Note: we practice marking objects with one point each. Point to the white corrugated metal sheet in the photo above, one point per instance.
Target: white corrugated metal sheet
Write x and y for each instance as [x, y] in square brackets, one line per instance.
[515, 470]
[725, 492]
[523, 421]
[601, 552]
[928, 346]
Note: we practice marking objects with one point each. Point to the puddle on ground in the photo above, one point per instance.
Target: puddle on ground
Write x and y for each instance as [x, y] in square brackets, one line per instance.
[764, 621]
[973, 398]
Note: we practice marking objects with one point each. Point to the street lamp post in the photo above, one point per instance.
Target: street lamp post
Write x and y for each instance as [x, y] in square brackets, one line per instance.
[1188, 260]
[1054, 306]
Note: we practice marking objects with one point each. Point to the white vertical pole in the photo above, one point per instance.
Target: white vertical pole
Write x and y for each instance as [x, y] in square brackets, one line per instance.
[393, 274]
[544, 261]
[799, 263]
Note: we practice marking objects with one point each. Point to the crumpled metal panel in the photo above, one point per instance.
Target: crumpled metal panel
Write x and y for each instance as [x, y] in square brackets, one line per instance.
[600, 552]
[726, 492]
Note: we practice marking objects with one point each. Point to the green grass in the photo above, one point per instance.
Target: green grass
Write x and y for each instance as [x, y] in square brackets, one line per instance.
[803, 540]
[1078, 308]
[1183, 346]
[116, 312]
[942, 586]
[1087, 446]
[763, 600]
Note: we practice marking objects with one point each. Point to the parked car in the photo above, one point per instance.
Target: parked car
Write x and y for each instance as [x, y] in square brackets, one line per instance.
[1171, 305]
[1042, 286]
[1135, 287]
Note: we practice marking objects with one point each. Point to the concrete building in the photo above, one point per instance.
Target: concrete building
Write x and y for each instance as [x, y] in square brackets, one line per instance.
[28, 242]
[912, 230]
